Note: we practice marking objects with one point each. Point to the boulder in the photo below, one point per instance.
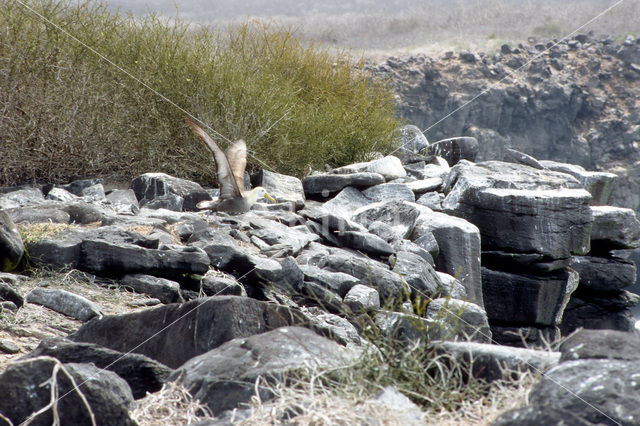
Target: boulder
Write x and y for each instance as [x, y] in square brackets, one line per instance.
[327, 184]
[195, 327]
[600, 344]
[220, 284]
[614, 228]
[283, 188]
[41, 213]
[366, 242]
[346, 202]
[389, 192]
[151, 185]
[423, 281]
[521, 209]
[459, 248]
[413, 142]
[422, 186]
[141, 373]
[222, 250]
[123, 201]
[26, 388]
[338, 282]
[603, 274]
[513, 156]
[527, 299]
[466, 318]
[399, 215]
[600, 185]
[19, 197]
[493, 362]
[534, 263]
[10, 294]
[11, 246]
[361, 298]
[94, 193]
[59, 194]
[165, 290]
[65, 302]
[389, 167]
[410, 328]
[77, 186]
[581, 311]
[172, 202]
[455, 149]
[230, 375]
[274, 233]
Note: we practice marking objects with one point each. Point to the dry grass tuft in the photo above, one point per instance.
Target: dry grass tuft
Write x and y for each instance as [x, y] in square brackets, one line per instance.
[172, 404]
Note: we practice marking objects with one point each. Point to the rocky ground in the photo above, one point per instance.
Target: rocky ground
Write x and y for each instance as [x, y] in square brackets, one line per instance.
[468, 259]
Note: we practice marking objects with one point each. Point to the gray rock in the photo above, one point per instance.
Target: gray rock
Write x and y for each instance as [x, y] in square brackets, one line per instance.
[9, 293]
[219, 284]
[222, 250]
[600, 185]
[8, 347]
[151, 185]
[527, 298]
[601, 391]
[602, 274]
[20, 197]
[141, 373]
[346, 202]
[196, 327]
[413, 142]
[412, 247]
[361, 298]
[11, 246]
[410, 328]
[27, 389]
[614, 227]
[512, 156]
[171, 202]
[41, 213]
[389, 167]
[83, 213]
[160, 288]
[427, 241]
[464, 318]
[123, 201]
[65, 302]
[417, 273]
[366, 242]
[512, 203]
[422, 186]
[439, 169]
[77, 186]
[226, 377]
[459, 248]
[455, 149]
[525, 337]
[312, 294]
[399, 215]
[59, 194]
[451, 287]
[338, 282]
[281, 187]
[389, 192]
[493, 362]
[582, 312]
[327, 184]
[275, 233]
[600, 344]
[535, 416]
[403, 408]
[94, 193]
[523, 262]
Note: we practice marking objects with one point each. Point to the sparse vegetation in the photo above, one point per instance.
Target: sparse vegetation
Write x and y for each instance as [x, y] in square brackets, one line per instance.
[66, 112]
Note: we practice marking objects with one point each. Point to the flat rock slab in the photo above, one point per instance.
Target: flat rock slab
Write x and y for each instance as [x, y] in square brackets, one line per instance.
[586, 313]
[602, 274]
[21, 197]
[600, 185]
[528, 299]
[173, 334]
[165, 290]
[493, 362]
[521, 209]
[390, 167]
[152, 185]
[614, 228]
[465, 318]
[399, 215]
[226, 376]
[326, 184]
[25, 390]
[346, 202]
[389, 192]
[65, 302]
[281, 187]
[141, 373]
[601, 344]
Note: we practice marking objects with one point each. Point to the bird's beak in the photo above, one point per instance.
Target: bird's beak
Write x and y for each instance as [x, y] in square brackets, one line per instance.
[269, 197]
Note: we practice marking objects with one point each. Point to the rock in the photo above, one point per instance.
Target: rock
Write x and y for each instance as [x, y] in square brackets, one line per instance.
[151, 185]
[65, 302]
[326, 184]
[281, 187]
[432, 200]
[362, 299]
[274, 233]
[59, 194]
[41, 213]
[465, 318]
[522, 262]
[418, 274]
[11, 246]
[229, 375]
[451, 287]
[600, 344]
[196, 327]
[614, 228]
[615, 300]
[493, 362]
[602, 391]
[366, 242]
[413, 142]
[600, 185]
[312, 294]
[455, 149]
[8, 347]
[534, 416]
[171, 202]
[26, 389]
[589, 314]
[83, 213]
[521, 209]
[77, 186]
[346, 202]
[410, 328]
[439, 169]
[389, 192]
[517, 157]
[405, 410]
[220, 284]
[94, 193]
[164, 290]
[9, 293]
[527, 298]
[124, 201]
[602, 274]
[425, 248]
[20, 197]
[525, 337]
[399, 215]
[459, 249]
[141, 373]
[338, 282]
[389, 167]
[422, 186]
[222, 250]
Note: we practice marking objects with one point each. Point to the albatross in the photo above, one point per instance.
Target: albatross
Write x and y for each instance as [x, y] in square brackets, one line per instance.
[230, 172]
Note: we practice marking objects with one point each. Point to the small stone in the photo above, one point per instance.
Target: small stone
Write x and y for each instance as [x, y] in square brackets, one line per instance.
[362, 299]
[8, 347]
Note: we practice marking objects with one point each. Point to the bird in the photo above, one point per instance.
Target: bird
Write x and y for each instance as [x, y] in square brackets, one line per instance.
[230, 172]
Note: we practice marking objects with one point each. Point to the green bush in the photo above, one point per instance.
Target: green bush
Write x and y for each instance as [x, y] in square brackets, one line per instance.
[67, 113]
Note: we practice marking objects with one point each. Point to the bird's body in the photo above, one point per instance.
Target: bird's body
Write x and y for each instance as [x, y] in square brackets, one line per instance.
[230, 172]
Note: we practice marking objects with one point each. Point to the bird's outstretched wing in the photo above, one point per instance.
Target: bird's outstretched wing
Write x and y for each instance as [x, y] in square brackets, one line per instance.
[237, 156]
[226, 181]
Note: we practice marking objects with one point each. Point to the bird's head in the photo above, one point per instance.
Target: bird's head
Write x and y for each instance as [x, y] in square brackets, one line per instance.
[257, 193]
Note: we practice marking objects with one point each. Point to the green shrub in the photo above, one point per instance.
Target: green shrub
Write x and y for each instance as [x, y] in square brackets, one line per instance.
[67, 113]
